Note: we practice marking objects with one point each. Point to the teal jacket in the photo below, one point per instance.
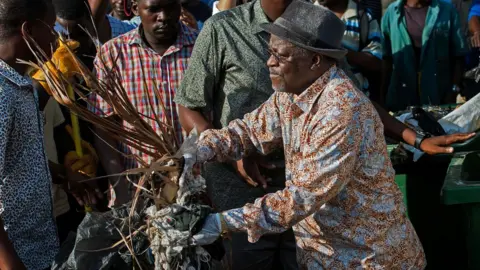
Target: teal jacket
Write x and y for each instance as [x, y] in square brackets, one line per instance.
[442, 42]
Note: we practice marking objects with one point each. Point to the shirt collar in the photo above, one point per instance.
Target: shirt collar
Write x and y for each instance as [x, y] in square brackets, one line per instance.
[259, 17]
[186, 37]
[12, 75]
[351, 10]
[309, 97]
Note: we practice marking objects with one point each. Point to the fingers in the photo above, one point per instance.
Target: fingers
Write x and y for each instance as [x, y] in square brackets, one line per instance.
[457, 138]
[78, 198]
[258, 177]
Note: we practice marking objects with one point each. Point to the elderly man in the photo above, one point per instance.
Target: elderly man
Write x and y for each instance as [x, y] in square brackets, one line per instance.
[340, 196]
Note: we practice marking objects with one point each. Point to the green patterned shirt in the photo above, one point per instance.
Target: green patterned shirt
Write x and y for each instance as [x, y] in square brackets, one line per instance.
[228, 74]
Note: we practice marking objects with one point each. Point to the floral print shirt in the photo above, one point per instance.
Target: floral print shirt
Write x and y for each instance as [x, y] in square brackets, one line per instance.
[340, 196]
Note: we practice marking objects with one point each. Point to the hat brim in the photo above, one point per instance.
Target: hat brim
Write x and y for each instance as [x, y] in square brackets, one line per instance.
[284, 34]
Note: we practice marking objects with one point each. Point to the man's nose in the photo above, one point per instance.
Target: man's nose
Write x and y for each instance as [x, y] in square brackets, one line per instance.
[272, 61]
[162, 15]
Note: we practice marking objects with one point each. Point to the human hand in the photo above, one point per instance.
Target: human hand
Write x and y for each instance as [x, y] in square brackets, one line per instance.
[188, 19]
[210, 232]
[84, 193]
[87, 164]
[441, 144]
[248, 169]
[475, 40]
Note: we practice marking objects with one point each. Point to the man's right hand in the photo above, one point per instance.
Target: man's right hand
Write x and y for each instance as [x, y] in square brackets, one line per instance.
[248, 169]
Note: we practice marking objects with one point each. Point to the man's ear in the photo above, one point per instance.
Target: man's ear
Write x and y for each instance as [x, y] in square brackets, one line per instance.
[316, 61]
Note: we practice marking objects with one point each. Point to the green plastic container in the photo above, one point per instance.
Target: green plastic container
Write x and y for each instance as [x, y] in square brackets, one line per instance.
[462, 187]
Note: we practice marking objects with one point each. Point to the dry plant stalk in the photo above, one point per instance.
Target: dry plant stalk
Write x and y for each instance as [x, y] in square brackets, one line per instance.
[138, 133]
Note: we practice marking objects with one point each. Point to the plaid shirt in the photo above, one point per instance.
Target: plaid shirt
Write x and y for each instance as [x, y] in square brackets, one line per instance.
[142, 70]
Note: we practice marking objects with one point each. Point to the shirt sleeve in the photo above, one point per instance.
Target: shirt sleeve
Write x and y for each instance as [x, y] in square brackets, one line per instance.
[201, 78]
[458, 38]
[259, 131]
[474, 10]
[386, 42]
[325, 168]
[103, 64]
[374, 46]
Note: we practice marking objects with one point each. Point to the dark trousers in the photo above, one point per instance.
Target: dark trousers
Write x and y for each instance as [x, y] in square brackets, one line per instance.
[228, 191]
[271, 252]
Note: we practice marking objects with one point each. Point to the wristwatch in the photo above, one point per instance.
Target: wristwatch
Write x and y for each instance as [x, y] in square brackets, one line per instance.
[419, 139]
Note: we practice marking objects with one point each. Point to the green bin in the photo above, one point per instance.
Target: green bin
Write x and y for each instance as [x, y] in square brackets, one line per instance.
[462, 187]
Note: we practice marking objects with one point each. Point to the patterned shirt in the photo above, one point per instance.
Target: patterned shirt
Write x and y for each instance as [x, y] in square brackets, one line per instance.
[340, 196]
[142, 70]
[25, 183]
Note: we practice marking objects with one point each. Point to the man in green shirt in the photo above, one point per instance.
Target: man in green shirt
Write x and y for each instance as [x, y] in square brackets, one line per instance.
[228, 77]
[424, 49]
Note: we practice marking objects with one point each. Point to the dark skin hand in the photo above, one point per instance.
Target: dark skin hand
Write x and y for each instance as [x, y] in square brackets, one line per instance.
[474, 28]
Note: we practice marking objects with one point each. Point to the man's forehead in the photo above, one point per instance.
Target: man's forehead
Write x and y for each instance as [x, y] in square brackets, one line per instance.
[278, 42]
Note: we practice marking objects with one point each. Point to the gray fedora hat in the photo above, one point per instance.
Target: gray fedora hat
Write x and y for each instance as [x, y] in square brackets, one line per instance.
[311, 27]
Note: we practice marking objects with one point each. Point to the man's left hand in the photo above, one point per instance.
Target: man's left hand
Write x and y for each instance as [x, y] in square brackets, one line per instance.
[441, 144]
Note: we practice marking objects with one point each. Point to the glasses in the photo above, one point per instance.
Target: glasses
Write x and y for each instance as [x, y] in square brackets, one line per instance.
[278, 58]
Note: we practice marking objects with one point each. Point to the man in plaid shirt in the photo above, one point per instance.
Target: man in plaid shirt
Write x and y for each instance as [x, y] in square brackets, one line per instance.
[155, 55]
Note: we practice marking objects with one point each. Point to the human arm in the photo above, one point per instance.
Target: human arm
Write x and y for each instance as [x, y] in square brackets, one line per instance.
[258, 132]
[369, 58]
[474, 23]
[9, 259]
[99, 10]
[474, 28]
[397, 130]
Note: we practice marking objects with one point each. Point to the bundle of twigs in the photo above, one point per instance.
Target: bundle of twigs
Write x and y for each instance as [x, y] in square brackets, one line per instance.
[136, 133]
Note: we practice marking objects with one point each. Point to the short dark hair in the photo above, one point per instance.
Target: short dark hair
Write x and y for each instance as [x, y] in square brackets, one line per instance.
[71, 9]
[13, 13]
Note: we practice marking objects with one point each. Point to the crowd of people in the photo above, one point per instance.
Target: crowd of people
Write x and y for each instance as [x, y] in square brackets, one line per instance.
[292, 101]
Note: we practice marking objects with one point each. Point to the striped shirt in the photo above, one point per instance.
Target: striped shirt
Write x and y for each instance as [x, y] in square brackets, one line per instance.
[352, 38]
[141, 70]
